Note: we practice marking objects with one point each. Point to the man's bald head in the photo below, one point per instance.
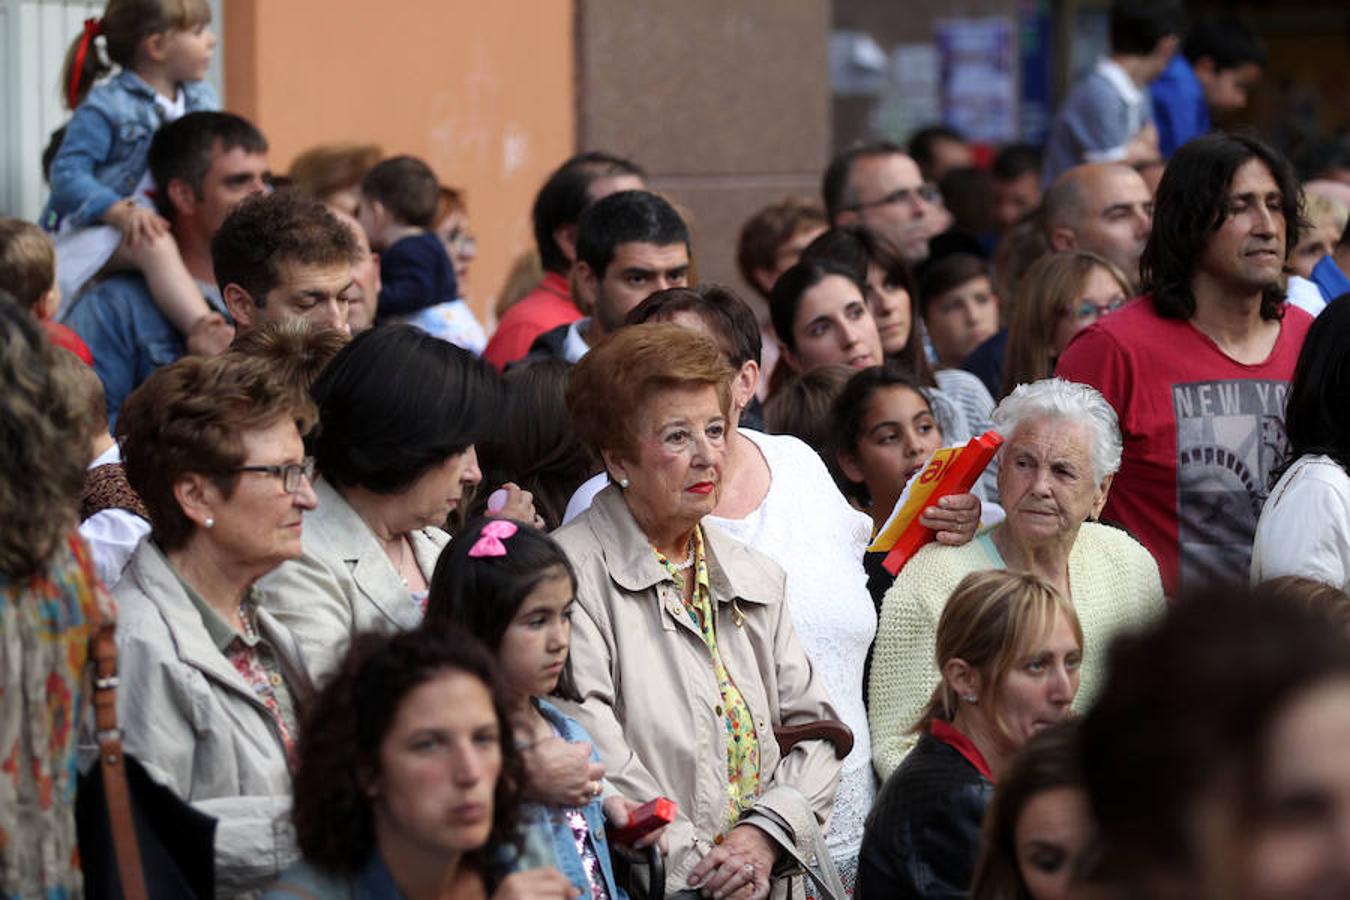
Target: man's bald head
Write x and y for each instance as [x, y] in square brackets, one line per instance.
[1105, 208]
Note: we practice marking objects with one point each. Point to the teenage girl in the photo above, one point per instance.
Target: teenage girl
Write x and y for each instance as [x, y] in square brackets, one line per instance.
[885, 432]
[100, 207]
[513, 588]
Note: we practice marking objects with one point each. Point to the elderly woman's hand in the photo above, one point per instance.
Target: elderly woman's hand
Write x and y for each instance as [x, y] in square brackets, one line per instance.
[955, 518]
[561, 774]
[742, 862]
[511, 501]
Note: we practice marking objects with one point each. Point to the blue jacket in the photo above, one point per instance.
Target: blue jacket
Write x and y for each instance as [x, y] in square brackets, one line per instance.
[1329, 278]
[549, 822]
[127, 334]
[415, 273]
[103, 155]
[1179, 108]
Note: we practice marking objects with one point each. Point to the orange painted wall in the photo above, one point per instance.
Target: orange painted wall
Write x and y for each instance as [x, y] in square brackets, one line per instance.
[484, 92]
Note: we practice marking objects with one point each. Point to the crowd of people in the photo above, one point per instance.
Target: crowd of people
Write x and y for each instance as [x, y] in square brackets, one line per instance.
[407, 607]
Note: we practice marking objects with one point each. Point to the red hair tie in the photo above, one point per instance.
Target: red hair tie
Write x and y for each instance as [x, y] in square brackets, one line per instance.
[92, 29]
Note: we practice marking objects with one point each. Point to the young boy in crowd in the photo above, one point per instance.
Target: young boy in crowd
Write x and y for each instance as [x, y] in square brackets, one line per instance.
[1220, 60]
[28, 273]
[1107, 117]
[399, 198]
[958, 306]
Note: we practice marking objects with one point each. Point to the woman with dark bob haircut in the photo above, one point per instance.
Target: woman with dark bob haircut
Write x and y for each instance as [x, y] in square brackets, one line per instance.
[1304, 527]
[399, 414]
[212, 685]
[408, 778]
[1239, 785]
[1038, 824]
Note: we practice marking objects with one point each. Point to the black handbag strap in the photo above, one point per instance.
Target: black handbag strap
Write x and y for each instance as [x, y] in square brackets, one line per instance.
[103, 650]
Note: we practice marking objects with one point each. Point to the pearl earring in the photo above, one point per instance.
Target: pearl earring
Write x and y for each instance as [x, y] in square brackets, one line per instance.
[623, 483]
[209, 522]
[971, 698]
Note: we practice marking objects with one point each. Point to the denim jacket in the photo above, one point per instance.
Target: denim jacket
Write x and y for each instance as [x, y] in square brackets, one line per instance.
[550, 823]
[103, 155]
[126, 333]
[305, 881]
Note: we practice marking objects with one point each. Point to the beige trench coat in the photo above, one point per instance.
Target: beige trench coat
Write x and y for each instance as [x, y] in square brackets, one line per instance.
[190, 718]
[343, 583]
[650, 699]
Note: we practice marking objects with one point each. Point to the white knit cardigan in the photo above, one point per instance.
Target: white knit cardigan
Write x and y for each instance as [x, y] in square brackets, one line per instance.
[1115, 585]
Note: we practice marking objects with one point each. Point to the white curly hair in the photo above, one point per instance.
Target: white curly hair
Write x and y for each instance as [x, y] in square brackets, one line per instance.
[1055, 398]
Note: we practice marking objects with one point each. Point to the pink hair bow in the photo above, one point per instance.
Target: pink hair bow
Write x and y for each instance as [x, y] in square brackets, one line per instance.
[490, 539]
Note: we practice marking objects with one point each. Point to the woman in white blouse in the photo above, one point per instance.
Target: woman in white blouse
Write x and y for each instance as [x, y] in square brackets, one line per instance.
[1304, 528]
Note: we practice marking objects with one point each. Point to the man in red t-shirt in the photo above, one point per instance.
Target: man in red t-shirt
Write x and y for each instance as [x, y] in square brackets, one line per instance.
[577, 183]
[1197, 369]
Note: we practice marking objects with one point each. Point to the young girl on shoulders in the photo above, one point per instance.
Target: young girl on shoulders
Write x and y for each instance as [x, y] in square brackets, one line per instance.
[513, 588]
[100, 207]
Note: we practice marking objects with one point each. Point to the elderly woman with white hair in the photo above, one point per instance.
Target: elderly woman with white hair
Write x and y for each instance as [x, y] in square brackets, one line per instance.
[1061, 448]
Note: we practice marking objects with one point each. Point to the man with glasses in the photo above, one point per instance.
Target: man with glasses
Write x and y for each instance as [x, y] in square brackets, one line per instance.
[879, 185]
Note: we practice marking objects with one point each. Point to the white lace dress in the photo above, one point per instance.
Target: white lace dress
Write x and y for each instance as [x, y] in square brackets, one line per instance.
[807, 527]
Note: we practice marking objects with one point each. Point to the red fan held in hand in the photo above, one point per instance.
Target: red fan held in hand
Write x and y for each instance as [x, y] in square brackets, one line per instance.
[952, 470]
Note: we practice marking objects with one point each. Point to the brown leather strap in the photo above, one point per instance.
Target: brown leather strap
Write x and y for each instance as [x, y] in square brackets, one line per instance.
[832, 730]
[103, 649]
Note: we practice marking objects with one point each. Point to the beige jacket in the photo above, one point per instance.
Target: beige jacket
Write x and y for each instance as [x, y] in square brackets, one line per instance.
[650, 699]
[198, 727]
[343, 582]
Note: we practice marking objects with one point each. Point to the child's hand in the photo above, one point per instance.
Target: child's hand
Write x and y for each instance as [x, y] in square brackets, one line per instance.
[136, 223]
[619, 809]
[955, 518]
[210, 335]
[511, 501]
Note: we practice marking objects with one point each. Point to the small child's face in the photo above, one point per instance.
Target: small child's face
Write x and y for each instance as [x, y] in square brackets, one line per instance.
[961, 319]
[188, 52]
[534, 647]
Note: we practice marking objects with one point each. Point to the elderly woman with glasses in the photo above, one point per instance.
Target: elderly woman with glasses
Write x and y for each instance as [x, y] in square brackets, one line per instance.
[683, 649]
[1061, 447]
[211, 683]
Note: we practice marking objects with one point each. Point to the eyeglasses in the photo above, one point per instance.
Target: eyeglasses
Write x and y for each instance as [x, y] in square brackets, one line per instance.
[927, 193]
[289, 473]
[1089, 310]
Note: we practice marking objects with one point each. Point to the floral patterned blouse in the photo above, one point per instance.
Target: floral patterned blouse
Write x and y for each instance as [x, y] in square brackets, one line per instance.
[742, 742]
[46, 621]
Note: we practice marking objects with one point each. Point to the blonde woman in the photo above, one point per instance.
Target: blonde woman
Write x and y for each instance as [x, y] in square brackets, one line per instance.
[1008, 646]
